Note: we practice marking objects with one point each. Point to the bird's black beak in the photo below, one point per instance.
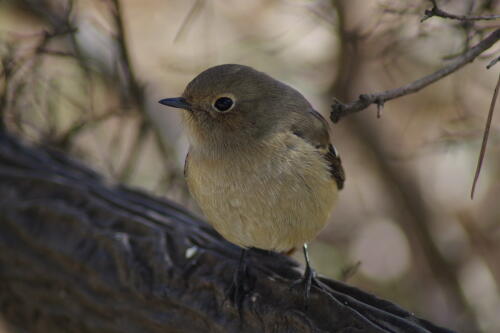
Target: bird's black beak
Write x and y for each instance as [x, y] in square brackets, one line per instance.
[177, 102]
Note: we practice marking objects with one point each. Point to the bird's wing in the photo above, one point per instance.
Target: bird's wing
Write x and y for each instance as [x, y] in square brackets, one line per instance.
[313, 128]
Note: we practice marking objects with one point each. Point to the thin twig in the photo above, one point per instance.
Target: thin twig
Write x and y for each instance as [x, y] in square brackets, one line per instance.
[56, 53]
[436, 11]
[7, 69]
[349, 271]
[127, 66]
[136, 89]
[134, 152]
[193, 12]
[493, 62]
[340, 110]
[64, 140]
[485, 138]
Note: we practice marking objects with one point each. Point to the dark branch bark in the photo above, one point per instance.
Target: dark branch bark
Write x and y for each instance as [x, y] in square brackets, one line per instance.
[340, 110]
[77, 255]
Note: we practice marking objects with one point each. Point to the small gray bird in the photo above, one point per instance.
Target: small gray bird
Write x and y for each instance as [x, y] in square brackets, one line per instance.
[260, 163]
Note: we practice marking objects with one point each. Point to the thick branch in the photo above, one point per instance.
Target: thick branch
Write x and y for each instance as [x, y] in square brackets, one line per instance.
[77, 255]
[340, 110]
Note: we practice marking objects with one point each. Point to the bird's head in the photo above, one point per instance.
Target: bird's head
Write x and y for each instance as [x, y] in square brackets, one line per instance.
[235, 104]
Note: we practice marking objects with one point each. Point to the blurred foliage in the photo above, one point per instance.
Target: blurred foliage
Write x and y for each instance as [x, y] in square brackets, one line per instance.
[84, 77]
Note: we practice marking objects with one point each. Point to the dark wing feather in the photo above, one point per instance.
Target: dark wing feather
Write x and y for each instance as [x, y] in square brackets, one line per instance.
[335, 164]
[314, 129]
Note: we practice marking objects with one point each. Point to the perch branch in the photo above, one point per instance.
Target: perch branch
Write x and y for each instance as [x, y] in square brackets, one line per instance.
[77, 255]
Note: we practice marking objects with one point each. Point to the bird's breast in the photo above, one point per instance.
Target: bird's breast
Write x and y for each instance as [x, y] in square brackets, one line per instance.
[272, 196]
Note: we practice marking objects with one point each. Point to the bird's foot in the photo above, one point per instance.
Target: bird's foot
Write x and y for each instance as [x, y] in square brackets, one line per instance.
[306, 282]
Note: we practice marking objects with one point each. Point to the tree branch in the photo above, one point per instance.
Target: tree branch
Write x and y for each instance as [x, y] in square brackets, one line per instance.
[77, 255]
[436, 11]
[340, 110]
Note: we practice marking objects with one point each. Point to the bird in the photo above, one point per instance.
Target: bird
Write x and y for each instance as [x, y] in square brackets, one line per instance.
[260, 163]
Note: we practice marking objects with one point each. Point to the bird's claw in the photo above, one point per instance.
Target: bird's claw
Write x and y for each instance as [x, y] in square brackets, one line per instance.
[309, 280]
[306, 282]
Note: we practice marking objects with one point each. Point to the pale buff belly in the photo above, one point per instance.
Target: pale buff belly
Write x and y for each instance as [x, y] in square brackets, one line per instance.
[276, 203]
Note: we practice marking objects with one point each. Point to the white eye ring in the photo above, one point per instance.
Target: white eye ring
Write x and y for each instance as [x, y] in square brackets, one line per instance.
[224, 103]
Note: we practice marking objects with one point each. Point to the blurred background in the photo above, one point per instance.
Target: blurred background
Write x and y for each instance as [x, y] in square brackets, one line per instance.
[84, 77]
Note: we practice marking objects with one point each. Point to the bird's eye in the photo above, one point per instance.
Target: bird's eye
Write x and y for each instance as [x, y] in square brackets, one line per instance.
[223, 103]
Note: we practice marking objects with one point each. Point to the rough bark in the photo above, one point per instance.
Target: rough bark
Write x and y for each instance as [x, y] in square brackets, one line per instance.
[80, 255]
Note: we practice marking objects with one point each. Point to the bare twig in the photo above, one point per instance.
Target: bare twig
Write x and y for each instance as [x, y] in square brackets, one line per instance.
[64, 140]
[349, 271]
[493, 62]
[485, 138]
[136, 89]
[340, 110]
[134, 152]
[7, 69]
[130, 79]
[436, 11]
[193, 12]
[56, 53]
